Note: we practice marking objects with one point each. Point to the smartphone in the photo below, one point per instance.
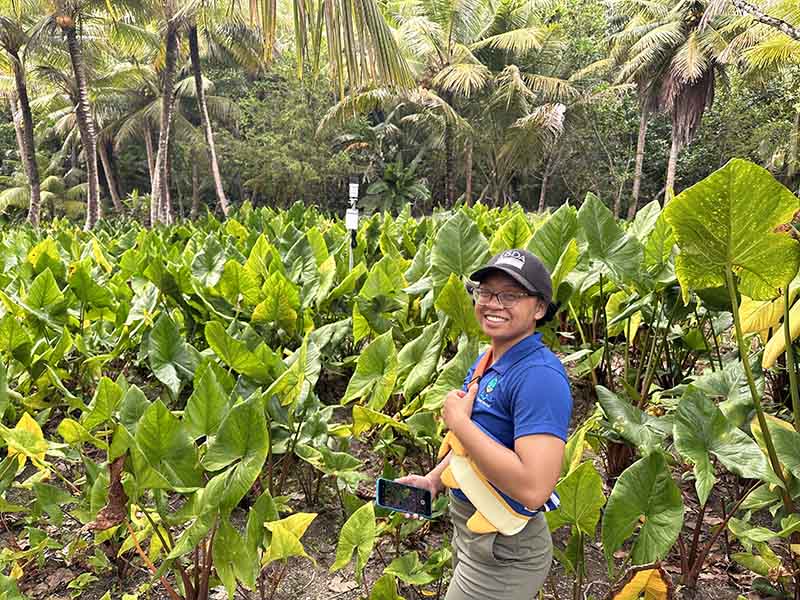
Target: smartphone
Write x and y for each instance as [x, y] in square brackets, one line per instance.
[402, 497]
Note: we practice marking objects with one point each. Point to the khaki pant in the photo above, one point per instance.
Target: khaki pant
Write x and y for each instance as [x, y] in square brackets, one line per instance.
[494, 566]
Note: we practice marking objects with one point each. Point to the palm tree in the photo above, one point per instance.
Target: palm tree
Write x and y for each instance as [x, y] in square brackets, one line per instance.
[202, 105]
[14, 37]
[670, 45]
[66, 16]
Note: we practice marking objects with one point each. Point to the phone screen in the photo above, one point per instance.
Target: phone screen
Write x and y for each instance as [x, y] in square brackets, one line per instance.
[406, 498]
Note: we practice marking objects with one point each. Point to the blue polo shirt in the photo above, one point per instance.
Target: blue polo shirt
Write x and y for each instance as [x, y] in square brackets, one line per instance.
[526, 392]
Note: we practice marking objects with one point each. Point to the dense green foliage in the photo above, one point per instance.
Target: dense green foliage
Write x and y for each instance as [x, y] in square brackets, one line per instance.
[195, 388]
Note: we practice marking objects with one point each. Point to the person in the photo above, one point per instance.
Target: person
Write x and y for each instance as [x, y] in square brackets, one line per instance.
[512, 422]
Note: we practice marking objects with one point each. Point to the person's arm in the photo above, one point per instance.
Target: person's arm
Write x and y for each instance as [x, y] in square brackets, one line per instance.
[528, 473]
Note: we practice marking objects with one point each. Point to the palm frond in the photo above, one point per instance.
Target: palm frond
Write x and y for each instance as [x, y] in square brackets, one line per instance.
[554, 89]
[776, 51]
[354, 104]
[511, 90]
[517, 42]
[462, 79]
[689, 62]
[223, 109]
[15, 197]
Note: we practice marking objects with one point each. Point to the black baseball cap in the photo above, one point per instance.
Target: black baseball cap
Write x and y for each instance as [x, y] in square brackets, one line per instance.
[523, 267]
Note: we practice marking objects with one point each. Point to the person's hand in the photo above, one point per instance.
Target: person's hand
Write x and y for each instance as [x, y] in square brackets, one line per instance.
[457, 406]
[419, 481]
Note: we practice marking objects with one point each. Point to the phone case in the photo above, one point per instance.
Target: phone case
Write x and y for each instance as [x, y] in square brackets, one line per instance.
[378, 484]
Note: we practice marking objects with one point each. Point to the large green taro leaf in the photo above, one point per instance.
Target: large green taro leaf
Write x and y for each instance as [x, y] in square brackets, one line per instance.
[514, 233]
[550, 240]
[727, 222]
[459, 248]
[206, 406]
[418, 359]
[454, 301]
[358, 535]
[409, 569]
[452, 374]
[241, 441]
[208, 263]
[376, 373]
[171, 359]
[702, 430]
[617, 251]
[634, 425]
[89, 292]
[582, 497]
[164, 456]
[644, 496]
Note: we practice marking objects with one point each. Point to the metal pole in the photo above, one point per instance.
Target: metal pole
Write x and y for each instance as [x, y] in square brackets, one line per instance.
[351, 217]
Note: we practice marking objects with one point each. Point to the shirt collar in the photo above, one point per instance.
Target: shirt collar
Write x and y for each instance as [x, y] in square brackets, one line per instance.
[517, 352]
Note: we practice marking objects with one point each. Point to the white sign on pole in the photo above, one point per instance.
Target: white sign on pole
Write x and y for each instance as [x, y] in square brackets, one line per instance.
[351, 219]
[353, 191]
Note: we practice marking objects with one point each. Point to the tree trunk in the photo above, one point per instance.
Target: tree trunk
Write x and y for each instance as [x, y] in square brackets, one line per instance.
[83, 112]
[468, 173]
[160, 192]
[15, 119]
[637, 170]
[111, 180]
[167, 212]
[28, 147]
[449, 165]
[669, 191]
[794, 147]
[148, 144]
[194, 51]
[195, 189]
[545, 181]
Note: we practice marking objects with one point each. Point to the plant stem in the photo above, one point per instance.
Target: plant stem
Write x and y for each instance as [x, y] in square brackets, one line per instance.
[705, 340]
[762, 419]
[606, 356]
[790, 365]
[172, 593]
[716, 341]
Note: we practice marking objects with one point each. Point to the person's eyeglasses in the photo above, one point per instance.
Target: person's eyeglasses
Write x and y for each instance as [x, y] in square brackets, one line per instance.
[506, 299]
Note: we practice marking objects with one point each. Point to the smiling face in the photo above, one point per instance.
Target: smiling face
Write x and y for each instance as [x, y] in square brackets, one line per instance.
[508, 325]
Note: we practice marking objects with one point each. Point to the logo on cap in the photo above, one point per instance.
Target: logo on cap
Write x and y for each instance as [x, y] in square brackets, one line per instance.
[512, 258]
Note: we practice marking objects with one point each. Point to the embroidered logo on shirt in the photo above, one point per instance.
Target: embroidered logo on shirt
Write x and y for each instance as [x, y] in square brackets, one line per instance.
[484, 397]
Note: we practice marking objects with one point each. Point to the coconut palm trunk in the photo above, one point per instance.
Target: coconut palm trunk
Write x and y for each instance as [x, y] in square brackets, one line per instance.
[195, 189]
[17, 122]
[28, 146]
[83, 112]
[449, 164]
[548, 170]
[194, 51]
[669, 191]
[159, 193]
[151, 159]
[111, 180]
[637, 170]
[468, 173]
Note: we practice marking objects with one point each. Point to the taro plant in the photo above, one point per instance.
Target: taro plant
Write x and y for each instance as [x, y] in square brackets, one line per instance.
[731, 231]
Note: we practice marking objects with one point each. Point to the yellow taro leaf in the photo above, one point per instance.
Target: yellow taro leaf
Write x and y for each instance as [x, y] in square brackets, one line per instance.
[16, 571]
[777, 344]
[296, 524]
[100, 258]
[26, 440]
[772, 422]
[648, 584]
[758, 315]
